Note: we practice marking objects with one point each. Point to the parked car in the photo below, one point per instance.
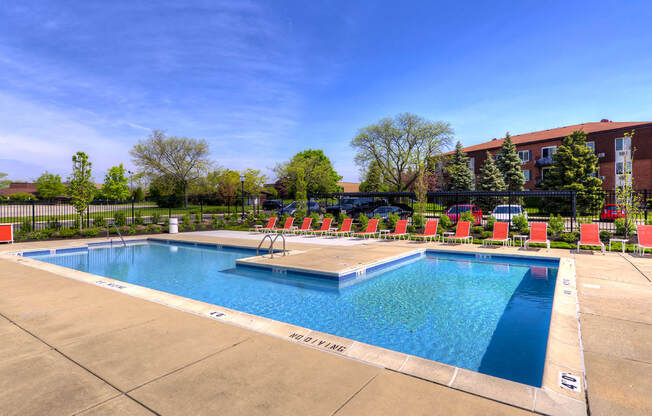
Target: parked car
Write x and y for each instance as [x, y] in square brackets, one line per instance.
[366, 207]
[291, 208]
[384, 212]
[611, 211]
[407, 210]
[355, 206]
[271, 204]
[456, 211]
[506, 213]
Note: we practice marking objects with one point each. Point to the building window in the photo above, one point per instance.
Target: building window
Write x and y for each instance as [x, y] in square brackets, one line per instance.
[524, 155]
[472, 164]
[495, 156]
[528, 175]
[619, 144]
[591, 145]
[619, 168]
[544, 172]
[547, 152]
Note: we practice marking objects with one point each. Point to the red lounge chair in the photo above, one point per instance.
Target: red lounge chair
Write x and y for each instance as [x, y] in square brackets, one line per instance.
[346, 227]
[500, 235]
[644, 233]
[305, 226]
[462, 232]
[589, 236]
[269, 227]
[372, 229]
[325, 226]
[286, 227]
[430, 232]
[401, 229]
[538, 234]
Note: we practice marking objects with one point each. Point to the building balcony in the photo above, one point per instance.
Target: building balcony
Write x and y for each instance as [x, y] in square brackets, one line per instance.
[544, 161]
[538, 181]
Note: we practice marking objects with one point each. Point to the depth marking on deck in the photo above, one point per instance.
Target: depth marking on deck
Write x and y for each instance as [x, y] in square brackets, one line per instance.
[216, 314]
[110, 284]
[569, 381]
[316, 342]
[590, 286]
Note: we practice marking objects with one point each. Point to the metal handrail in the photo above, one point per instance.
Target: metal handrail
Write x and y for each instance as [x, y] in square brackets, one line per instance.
[271, 244]
[111, 223]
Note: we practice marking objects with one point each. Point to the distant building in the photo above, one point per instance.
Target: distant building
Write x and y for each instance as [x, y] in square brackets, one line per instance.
[349, 186]
[19, 187]
[607, 138]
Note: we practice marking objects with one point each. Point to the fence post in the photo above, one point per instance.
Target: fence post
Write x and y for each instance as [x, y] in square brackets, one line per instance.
[201, 209]
[509, 209]
[33, 216]
[169, 208]
[88, 216]
[308, 195]
[132, 210]
[574, 213]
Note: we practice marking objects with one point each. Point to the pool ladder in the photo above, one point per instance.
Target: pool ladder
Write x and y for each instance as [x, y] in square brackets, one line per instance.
[271, 243]
[111, 223]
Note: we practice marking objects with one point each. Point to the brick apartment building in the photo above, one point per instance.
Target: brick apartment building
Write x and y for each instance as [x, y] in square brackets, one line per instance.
[606, 137]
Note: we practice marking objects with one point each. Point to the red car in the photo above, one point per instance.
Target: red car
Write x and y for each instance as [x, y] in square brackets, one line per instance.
[610, 212]
[456, 211]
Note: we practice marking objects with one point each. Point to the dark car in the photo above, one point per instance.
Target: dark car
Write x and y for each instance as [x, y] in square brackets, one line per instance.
[456, 211]
[384, 212]
[366, 207]
[291, 209]
[407, 210]
[611, 211]
[348, 205]
[271, 204]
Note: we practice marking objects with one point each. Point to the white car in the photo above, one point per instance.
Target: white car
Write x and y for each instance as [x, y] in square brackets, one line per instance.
[506, 213]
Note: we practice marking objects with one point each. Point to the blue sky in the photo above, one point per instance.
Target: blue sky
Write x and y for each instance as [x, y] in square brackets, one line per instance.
[263, 80]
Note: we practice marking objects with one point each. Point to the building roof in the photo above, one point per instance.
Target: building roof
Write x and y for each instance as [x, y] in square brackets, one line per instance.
[556, 133]
[18, 187]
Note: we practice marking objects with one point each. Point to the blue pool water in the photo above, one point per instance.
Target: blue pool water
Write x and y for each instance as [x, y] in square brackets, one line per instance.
[489, 315]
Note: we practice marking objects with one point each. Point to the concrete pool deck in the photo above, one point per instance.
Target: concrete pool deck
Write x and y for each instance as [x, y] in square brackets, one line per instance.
[131, 354]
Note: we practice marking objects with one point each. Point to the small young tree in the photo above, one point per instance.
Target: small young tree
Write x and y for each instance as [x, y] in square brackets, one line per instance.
[491, 179]
[573, 169]
[509, 164]
[115, 183]
[81, 188]
[460, 175]
[630, 201]
[301, 193]
[421, 193]
[49, 186]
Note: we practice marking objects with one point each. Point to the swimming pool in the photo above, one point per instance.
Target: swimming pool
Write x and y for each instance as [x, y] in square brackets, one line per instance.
[489, 314]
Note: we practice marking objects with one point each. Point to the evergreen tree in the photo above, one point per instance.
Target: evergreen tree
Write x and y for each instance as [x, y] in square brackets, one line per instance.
[573, 169]
[491, 179]
[373, 181]
[509, 164]
[460, 175]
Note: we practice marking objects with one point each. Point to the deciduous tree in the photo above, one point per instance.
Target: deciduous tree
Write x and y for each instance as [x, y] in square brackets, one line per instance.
[399, 145]
[319, 175]
[49, 186]
[115, 183]
[81, 188]
[181, 159]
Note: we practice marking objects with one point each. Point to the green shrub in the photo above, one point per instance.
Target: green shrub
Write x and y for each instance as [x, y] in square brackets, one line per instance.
[132, 229]
[520, 222]
[76, 223]
[99, 221]
[556, 224]
[392, 219]
[486, 234]
[341, 217]
[91, 232]
[68, 232]
[166, 222]
[250, 219]
[489, 225]
[156, 228]
[381, 225]
[467, 216]
[363, 220]
[26, 226]
[119, 219]
[214, 220]
[621, 226]
[53, 223]
[149, 229]
[649, 221]
[198, 218]
[606, 235]
[191, 227]
[202, 226]
[185, 219]
[445, 222]
[477, 230]
[570, 238]
[182, 227]
[315, 220]
[418, 221]
[21, 196]
[138, 218]
[221, 223]
[411, 229]
[156, 217]
[124, 230]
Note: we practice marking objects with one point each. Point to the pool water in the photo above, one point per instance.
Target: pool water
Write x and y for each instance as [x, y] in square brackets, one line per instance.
[489, 315]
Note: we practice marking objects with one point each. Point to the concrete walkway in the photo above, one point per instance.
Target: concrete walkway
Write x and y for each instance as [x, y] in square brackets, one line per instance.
[73, 348]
